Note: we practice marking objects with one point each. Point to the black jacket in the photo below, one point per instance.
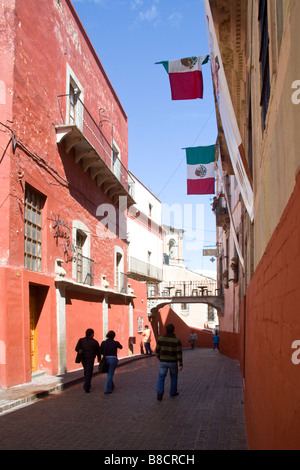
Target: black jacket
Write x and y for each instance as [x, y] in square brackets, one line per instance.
[90, 348]
[109, 347]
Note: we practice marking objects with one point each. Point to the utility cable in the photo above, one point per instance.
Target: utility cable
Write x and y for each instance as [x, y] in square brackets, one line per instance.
[180, 163]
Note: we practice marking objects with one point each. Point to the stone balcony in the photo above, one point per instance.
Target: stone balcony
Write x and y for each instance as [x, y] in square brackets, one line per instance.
[78, 130]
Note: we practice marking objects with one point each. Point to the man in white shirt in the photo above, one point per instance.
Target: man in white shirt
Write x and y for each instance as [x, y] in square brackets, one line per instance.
[147, 338]
[193, 339]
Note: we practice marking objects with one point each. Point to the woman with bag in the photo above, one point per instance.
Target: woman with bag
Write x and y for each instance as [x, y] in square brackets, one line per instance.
[87, 349]
[108, 349]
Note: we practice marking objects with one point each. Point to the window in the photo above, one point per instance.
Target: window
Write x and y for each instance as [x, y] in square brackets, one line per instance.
[80, 239]
[227, 253]
[116, 161]
[118, 271]
[185, 308]
[264, 59]
[73, 100]
[172, 249]
[33, 230]
[120, 277]
[83, 266]
[140, 324]
[74, 93]
[279, 14]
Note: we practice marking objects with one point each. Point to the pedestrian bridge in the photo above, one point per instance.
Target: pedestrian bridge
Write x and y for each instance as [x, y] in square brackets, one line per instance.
[185, 292]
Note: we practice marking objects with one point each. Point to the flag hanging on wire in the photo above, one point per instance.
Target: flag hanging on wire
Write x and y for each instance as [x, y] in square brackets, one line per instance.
[200, 170]
[185, 75]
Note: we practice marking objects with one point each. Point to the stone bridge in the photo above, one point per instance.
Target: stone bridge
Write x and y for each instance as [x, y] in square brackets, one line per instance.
[155, 303]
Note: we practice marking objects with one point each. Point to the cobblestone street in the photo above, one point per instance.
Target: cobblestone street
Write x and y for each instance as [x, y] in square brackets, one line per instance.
[207, 414]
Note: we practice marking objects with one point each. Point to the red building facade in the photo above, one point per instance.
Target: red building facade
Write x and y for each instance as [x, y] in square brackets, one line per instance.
[65, 190]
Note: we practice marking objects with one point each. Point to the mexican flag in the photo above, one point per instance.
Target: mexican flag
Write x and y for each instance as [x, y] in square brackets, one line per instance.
[200, 170]
[185, 77]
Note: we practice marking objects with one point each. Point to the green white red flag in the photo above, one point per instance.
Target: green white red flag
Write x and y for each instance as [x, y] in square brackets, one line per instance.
[185, 75]
[200, 170]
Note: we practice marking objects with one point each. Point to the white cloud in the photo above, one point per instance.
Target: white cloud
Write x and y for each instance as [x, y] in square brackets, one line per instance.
[151, 14]
[175, 18]
[134, 4]
[145, 13]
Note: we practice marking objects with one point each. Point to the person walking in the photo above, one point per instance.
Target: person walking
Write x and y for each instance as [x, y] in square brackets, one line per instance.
[109, 349]
[89, 349]
[147, 339]
[169, 352]
[216, 341]
[193, 339]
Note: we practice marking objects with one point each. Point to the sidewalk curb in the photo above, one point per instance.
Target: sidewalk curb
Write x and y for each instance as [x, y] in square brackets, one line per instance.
[59, 382]
[122, 361]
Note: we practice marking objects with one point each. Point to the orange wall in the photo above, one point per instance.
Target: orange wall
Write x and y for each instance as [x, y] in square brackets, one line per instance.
[272, 381]
[15, 325]
[86, 311]
[182, 330]
[82, 311]
[230, 344]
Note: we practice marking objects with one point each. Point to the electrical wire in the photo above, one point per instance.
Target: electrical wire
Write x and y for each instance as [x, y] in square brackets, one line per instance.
[179, 165]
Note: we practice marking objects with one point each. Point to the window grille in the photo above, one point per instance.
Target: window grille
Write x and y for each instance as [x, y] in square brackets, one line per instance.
[264, 59]
[80, 239]
[33, 230]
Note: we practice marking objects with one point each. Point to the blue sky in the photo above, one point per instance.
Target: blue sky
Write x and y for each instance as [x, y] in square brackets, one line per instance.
[129, 36]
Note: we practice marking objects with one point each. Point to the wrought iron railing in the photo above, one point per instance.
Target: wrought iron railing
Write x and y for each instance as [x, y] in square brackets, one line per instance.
[72, 111]
[186, 289]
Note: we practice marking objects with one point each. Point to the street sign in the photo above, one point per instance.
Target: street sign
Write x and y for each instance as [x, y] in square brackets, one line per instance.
[211, 252]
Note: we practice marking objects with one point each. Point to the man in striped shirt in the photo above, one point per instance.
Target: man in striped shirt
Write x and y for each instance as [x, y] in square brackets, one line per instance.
[169, 352]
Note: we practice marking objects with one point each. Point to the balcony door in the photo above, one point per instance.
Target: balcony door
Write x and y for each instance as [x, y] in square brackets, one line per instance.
[120, 281]
[80, 240]
[116, 161]
[74, 104]
[73, 97]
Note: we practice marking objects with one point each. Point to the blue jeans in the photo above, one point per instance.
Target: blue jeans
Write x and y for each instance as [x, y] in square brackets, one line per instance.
[163, 370]
[112, 364]
[147, 348]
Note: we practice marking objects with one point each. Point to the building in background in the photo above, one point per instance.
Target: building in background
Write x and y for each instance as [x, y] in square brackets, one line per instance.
[145, 253]
[255, 66]
[176, 274]
[156, 268]
[144, 232]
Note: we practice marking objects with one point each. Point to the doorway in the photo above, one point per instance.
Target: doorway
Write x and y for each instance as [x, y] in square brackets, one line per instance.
[34, 317]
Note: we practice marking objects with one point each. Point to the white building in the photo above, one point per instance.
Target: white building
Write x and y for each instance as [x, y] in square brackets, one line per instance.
[176, 274]
[144, 235]
[155, 257]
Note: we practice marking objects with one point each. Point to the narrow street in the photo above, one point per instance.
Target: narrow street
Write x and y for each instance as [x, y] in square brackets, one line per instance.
[208, 414]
